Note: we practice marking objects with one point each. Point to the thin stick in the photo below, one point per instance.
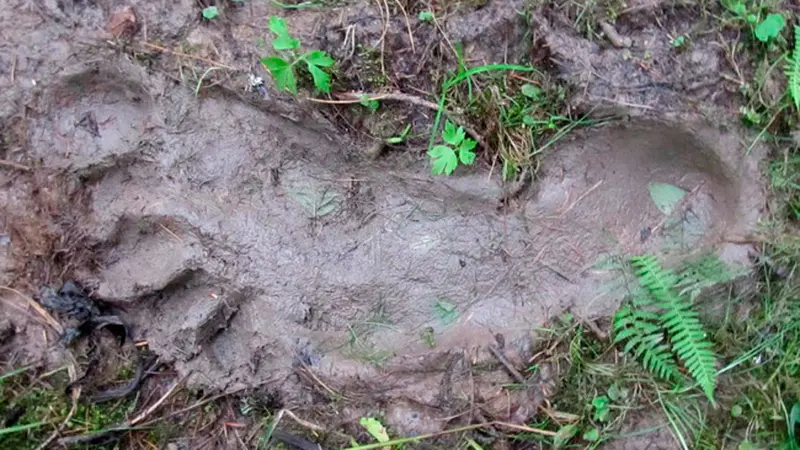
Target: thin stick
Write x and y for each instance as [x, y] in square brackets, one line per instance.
[358, 97]
[314, 377]
[186, 55]
[171, 233]
[509, 367]
[401, 97]
[524, 428]
[13, 165]
[408, 26]
[385, 21]
[203, 77]
[599, 334]
[190, 407]
[624, 103]
[158, 403]
[309, 425]
[444, 35]
[33, 304]
[591, 189]
[14, 70]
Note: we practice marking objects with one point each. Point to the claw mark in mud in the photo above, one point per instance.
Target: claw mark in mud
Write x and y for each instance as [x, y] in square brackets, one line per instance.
[89, 122]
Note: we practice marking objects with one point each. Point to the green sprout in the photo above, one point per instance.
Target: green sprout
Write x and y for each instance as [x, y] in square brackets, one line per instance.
[459, 149]
[283, 69]
[210, 12]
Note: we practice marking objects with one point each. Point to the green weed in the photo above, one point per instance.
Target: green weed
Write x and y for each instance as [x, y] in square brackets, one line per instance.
[210, 12]
[375, 428]
[283, 68]
[678, 41]
[428, 337]
[399, 138]
[743, 11]
[369, 103]
[770, 27]
[459, 149]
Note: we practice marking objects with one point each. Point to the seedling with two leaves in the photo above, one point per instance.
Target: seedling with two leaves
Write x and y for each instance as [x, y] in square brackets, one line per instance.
[459, 149]
[283, 68]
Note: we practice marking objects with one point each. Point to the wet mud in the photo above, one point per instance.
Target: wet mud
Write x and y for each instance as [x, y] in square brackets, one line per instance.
[250, 243]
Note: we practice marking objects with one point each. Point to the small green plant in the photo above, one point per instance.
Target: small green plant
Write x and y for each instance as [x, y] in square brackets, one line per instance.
[425, 16]
[660, 323]
[283, 69]
[375, 428]
[564, 435]
[428, 336]
[445, 311]
[459, 149]
[210, 12]
[770, 27]
[369, 103]
[679, 41]
[592, 435]
[400, 138]
[601, 408]
[740, 11]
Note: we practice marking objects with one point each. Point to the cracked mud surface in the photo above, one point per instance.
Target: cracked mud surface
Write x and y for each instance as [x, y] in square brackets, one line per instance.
[247, 240]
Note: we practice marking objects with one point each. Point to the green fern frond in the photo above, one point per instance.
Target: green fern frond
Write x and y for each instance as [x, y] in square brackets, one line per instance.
[644, 338]
[661, 325]
[793, 70]
[703, 273]
[656, 279]
[690, 344]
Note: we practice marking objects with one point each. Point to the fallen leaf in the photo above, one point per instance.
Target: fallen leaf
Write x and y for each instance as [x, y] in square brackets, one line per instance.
[375, 428]
[665, 196]
[122, 23]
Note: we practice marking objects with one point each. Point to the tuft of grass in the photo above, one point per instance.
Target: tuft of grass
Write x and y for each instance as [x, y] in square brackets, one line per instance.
[783, 174]
[36, 405]
[518, 110]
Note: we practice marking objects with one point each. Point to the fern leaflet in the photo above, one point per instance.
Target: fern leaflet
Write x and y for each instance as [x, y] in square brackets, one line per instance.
[793, 70]
[645, 339]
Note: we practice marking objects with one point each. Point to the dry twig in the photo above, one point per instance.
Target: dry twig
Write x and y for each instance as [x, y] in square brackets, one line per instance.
[13, 165]
[186, 55]
[46, 316]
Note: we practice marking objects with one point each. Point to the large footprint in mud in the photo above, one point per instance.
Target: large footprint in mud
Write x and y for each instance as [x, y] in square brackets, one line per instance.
[249, 245]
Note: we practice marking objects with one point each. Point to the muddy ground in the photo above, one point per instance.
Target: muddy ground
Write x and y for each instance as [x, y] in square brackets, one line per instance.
[251, 239]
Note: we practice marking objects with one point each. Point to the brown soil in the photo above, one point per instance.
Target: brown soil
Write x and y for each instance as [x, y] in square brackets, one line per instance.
[251, 242]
